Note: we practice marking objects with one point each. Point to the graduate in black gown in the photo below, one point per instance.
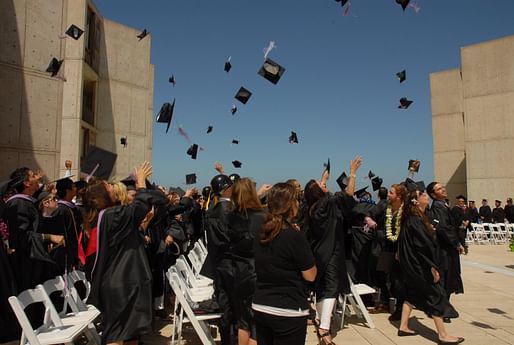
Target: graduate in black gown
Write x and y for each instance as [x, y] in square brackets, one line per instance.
[326, 233]
[245, 222]
[121, 275]
[419, 260]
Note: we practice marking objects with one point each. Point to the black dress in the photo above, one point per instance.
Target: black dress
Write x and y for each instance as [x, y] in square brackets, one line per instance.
[418, 254]
[326, 234]
[121, 278]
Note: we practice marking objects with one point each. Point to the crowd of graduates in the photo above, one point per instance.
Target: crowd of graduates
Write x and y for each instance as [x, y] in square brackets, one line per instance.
[279, 256]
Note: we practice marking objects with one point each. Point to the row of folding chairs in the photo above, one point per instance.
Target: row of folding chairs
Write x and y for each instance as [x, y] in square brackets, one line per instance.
[490, 233]
[59, 327]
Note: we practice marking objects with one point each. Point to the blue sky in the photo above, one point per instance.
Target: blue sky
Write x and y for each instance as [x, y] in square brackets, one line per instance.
[339, 92]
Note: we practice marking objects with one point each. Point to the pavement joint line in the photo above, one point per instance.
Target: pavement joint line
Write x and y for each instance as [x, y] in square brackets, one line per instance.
[496, 269]
[495, 333]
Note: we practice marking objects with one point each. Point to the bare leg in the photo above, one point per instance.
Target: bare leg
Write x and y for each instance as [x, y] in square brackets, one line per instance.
[404, 323]
[243, 337]
[441, 330]
[120, 342]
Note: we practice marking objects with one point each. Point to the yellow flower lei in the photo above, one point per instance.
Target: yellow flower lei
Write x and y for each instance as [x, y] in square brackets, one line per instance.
[389, 220]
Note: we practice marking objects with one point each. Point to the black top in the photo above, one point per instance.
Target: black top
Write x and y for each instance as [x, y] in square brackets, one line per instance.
[509, 213]
[498, 215]
[279, 267]
[485, 214]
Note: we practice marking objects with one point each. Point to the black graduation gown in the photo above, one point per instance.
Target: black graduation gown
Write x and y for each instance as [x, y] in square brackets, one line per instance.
[485, 214]
[30, 262]
[122, 279]
[448, 240]
[326, 233]
[498, 215]
[418, 254]
[9, 329]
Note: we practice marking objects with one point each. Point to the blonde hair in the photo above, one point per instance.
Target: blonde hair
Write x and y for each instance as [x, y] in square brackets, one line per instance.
[244, 196]
[120, 193]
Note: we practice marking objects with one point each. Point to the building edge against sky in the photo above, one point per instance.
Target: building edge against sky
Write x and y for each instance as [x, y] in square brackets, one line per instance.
[107, 93]
[473, 122]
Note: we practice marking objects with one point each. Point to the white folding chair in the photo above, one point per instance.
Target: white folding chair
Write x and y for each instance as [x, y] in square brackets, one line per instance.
[510, 230]
[354, 297]
[479, 235]
[76, 316]
[486, 230]
[197, 321]
[184, 268]
[200, 251]
[52, 331]
[196, 262]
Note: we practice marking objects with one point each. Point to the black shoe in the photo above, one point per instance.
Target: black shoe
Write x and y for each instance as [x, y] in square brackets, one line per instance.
[406, 334]
[447, 320]
[395, 317]
[458, 341]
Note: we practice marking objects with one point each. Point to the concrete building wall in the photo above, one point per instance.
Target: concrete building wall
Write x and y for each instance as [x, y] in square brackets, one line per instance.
[42, 116]
[487, 104]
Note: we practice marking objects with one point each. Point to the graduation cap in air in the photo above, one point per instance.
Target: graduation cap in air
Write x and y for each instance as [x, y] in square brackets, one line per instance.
[74, 32]
[54, 66]
[342, 181]
[293, 138]
[165, 114]
[371, 175]
[403, 3]
[360, 193]
[228, 65]
[209, 129]
[327, 165]
[376, 183]
[271, 71]
[343, 2]
[233, 110]
[124, 141]
[142, 34]
[191, 178]
[193, 151]
[412, 164]
[234, 141]
[172, 80]
[402, 76]
[99, 162]
[412, 186]
[237, 164]
[404, 103]
[243, 95]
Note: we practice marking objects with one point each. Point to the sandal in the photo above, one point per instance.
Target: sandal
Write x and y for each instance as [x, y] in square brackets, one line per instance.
[322, 341]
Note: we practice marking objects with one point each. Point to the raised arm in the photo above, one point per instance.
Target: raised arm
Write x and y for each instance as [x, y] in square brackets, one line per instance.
[354, 167]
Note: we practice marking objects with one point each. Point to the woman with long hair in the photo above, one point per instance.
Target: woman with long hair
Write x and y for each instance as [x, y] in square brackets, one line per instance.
[284, 264]
[121, 275]
[245, 222]
[325, 231]
[417, 249]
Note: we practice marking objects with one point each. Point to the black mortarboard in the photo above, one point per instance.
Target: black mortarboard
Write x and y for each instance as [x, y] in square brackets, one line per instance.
[343, 2]
[342, 181]
[54, 66]
[402, 76]
[100, 161]
[74, 32]
[271, 71]
[412, 186]
[498, 201]
[228, 66]
[193, 151]
[293, 138]
[233, 110]
[404, 103]
[123, 141]
[359, 193]
[237, 164]
[191, 178]
[142, 34]
[80, 184]
[371, 175]
[243, 95]
[234, 141]
[376, 183]
[327, 165]
[403, 3]
[411, 164]
[209, 129]
[460, 196]
[129, 182]
[165, 114]
[172, 80]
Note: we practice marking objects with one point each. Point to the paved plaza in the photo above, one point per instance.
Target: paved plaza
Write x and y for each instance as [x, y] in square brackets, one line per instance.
[486, 309]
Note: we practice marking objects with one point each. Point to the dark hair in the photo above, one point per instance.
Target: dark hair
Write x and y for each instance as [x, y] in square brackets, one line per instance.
[96, 198]
[281, 206]
[312, 193]
[410, 208]
[19, 176]
[63, 186]
[382, 193]
[430, 189]
[244, 196]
